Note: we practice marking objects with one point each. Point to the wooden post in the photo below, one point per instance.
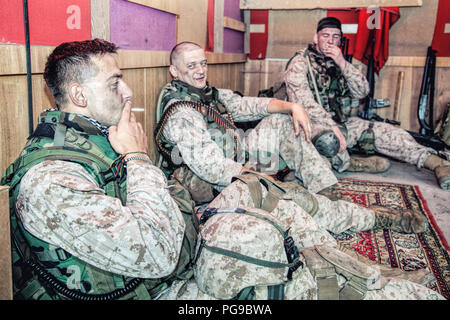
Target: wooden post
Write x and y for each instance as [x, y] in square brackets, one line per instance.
[5, 248]
[398, 95]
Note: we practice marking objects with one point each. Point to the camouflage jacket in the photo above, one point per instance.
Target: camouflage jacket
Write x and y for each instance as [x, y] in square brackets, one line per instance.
[187, 129]
[298, 88]
[61, 203]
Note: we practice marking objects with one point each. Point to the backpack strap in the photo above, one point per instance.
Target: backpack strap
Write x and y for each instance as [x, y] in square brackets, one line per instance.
[15, 172]
[291, 250]
[254, 180]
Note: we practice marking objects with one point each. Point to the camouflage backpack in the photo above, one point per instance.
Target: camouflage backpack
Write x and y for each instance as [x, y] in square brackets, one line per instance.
[243, 254]
[248, 253]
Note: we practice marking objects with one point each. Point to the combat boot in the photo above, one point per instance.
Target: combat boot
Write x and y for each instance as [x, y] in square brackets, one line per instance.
[373, 164]
[399, 219]
[331, 193]
[441, 168]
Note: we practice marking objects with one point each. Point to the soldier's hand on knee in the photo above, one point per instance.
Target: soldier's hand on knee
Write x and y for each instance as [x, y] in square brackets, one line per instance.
[342, 141]
[128, 135]
[301, 119]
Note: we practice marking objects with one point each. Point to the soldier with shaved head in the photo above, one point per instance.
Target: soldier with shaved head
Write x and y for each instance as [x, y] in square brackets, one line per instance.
[205, 152]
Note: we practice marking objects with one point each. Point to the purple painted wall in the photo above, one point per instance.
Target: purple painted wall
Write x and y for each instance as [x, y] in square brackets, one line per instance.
[231, 9]
[233, 41]
[137, 27]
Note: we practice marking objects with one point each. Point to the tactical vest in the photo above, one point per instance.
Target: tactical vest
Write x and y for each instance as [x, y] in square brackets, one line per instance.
[332, 87]
[207, 103]
[43, 271]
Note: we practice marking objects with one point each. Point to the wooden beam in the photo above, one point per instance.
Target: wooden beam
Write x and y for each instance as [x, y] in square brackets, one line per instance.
[219, 7]
[100, 20]
[325, 4]
[219, 58]
[192, 24]
[247, 34]
[399, 61]
[132, 59]
[5, 248]
[163, 5]
[128, 59]
[233, 24]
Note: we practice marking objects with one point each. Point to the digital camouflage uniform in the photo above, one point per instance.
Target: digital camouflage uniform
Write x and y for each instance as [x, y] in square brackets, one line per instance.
[187, 129]
[89, 239]
[214, 274]
[389, 140]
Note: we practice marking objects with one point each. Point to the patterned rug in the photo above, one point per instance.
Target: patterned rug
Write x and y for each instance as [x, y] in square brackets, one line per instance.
[406, 251]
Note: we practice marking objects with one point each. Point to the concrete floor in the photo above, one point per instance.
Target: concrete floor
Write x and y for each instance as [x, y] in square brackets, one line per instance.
[438, 200]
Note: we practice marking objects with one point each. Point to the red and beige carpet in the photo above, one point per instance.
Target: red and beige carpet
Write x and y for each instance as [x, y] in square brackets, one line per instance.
[405, 251]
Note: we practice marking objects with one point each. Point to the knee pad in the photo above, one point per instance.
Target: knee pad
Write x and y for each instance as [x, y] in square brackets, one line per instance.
[326, 143]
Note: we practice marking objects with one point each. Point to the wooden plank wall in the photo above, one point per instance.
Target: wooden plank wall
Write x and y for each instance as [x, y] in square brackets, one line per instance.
[146, 72]
[291, 30]
[308, 4]
[5, 248]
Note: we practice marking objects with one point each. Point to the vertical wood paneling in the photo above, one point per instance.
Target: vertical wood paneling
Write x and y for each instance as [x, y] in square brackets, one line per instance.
[192, 24]
[218, 25]
[100, 22]
[135, 79]
[13, 119]
[156, 78]
[5, 248]
[42, 98]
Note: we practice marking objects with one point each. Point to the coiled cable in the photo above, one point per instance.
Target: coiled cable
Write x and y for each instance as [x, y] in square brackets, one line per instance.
[73, 294]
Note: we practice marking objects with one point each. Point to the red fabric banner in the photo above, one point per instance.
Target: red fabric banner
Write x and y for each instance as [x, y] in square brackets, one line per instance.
[373, 34]
[441, 40]
[51, 22]
[210, 27]
[259, 25]
[347, 17]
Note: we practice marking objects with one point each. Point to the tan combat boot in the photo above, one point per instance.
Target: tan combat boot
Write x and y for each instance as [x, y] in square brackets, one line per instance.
[373, 164]
[331, 193]
[441, 168]
[399, 219]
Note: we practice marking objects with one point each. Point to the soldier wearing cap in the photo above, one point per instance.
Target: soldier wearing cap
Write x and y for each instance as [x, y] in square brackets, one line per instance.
[324, 83]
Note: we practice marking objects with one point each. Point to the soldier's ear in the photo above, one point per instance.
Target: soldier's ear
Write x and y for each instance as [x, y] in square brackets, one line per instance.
[316, 38]
[77, 96]
[173, 71]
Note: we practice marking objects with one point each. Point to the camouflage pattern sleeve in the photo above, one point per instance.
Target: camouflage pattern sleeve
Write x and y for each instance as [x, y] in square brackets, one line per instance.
[60, 203]
[298, 91]
[357, 82]
[244, 108]
[187, 129]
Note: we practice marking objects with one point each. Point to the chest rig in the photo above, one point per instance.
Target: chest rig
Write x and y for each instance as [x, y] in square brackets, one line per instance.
[41, 270]
[330, 83]
[178, 95]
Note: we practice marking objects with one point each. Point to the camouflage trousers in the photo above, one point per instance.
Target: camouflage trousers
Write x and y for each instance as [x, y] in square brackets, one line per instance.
[389, 140]
[335, 216]
[273, 138]
[306, 233]
[304, 287]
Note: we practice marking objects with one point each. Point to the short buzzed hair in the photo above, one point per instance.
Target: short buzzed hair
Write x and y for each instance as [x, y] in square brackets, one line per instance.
[71, 62]
[179, 48]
